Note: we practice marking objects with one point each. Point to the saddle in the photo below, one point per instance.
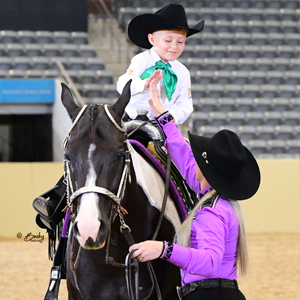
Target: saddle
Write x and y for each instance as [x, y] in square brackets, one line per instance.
[188, 196]
[148, 141]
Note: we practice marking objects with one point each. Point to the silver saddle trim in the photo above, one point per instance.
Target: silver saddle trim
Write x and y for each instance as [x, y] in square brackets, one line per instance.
[151, 130]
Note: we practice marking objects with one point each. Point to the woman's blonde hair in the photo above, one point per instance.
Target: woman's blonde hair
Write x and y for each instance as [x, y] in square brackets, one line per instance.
[184, 237]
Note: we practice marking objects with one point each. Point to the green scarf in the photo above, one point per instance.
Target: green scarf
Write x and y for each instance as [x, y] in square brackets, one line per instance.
[169, 77]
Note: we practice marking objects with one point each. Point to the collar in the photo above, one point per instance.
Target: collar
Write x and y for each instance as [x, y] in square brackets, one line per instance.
[204, 191]
[157, 58]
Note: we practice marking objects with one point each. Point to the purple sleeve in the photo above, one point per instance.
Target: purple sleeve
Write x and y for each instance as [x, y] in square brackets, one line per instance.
[208, 235]
[181, 154]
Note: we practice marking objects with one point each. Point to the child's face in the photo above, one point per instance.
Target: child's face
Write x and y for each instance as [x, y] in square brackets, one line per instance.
[168, 44]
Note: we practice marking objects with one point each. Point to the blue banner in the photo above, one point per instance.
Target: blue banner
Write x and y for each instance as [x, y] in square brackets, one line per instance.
[27, 90]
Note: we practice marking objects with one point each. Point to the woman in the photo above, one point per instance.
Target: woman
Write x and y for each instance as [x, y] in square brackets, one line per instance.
[211, 243]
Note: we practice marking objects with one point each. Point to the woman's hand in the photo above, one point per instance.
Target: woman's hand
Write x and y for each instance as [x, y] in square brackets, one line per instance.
[155, 78]
[147, 250]
[155, 105]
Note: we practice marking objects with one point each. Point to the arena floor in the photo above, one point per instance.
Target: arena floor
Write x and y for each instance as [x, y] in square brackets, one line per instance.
[274, 268]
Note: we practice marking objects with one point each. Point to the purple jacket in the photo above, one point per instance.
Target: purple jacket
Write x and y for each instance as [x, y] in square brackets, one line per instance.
[214, 231]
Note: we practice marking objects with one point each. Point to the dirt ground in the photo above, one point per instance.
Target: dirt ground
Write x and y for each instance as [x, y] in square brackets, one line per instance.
[274, 272]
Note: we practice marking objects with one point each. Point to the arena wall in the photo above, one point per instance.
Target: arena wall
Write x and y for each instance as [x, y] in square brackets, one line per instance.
[275, 208]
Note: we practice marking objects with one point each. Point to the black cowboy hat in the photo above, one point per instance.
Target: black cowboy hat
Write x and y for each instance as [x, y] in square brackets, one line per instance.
[226, 164]
[171, 16]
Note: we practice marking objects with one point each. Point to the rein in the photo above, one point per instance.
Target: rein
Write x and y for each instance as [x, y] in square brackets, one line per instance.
[117, 209]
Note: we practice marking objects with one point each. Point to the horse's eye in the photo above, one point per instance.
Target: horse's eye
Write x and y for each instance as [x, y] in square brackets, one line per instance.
[120, 155]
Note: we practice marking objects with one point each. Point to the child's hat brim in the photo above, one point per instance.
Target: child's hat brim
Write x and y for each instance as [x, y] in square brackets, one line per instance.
[141, 25]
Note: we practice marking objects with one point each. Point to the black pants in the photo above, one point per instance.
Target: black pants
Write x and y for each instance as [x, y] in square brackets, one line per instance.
[215, 294]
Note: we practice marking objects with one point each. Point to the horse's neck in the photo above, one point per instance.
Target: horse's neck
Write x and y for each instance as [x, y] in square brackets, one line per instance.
[153, 187]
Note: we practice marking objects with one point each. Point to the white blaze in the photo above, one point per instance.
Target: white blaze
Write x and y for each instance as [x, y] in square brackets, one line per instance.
[88, 215]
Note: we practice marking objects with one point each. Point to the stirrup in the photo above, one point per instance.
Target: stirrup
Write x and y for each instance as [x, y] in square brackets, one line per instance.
[50, 211]
[49, 207]
[41, 205]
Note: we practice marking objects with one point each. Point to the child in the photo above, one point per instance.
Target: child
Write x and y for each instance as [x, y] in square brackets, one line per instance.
[164, 34]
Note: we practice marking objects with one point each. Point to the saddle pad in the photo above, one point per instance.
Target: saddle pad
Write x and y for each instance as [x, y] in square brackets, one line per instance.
[159, 167]
[187, 194]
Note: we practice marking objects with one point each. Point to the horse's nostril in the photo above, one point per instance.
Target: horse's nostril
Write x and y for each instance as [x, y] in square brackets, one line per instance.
[90, 243]
[76, 231]
[103, 226]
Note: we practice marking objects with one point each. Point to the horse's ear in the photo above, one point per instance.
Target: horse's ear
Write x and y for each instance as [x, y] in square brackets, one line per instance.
[123, 100]
[68, 101]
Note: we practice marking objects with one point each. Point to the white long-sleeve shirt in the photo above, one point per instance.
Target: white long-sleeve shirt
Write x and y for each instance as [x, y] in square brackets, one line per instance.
[181, 104]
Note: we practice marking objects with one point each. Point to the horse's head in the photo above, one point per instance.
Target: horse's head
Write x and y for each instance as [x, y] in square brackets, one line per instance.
[95, 152]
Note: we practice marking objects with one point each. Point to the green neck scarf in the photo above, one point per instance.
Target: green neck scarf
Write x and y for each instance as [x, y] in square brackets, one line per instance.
[169, 77]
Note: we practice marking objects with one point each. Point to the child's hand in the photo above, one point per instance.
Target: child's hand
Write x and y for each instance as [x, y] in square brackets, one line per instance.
[155, 105]
[155, 77]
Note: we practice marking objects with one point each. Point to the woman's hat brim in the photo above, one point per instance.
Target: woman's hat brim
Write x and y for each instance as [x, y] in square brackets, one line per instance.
[240, 188]
[140, 26]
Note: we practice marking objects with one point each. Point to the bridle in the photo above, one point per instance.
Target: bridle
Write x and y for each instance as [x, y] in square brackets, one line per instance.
[117, 209]
[72, 195]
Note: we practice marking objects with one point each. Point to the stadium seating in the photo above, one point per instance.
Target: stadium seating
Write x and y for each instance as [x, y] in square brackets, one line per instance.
[257, 147]
[29, 54]
[246, 132]
[207, 131]
[265, 132]
[244, 66]
[226, 104]
[284, 132]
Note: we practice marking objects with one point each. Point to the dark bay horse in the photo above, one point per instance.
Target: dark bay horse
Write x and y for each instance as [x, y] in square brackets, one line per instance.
[96, 155]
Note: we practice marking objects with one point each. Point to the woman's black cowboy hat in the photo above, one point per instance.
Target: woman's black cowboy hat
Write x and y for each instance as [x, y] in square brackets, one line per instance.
[226, 164]
[171, 16]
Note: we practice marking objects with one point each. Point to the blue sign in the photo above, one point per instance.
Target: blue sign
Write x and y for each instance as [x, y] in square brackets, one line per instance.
[27, 90]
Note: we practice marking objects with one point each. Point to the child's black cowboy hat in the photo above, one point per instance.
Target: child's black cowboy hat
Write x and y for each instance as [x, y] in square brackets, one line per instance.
[226, 164]
[172, 16]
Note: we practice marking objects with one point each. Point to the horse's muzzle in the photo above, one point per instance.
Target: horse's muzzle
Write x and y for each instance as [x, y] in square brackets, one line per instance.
[91, 235]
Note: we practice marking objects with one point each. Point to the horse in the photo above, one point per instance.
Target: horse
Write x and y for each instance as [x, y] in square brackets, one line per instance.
[107, 179]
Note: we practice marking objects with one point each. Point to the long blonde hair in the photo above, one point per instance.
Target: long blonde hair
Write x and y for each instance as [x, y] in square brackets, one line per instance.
[184, 237]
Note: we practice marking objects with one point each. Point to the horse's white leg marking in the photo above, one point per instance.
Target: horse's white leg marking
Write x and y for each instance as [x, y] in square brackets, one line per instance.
[88, 215]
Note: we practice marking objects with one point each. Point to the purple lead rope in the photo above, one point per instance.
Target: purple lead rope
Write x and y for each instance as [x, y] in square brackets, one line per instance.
[66, 223]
